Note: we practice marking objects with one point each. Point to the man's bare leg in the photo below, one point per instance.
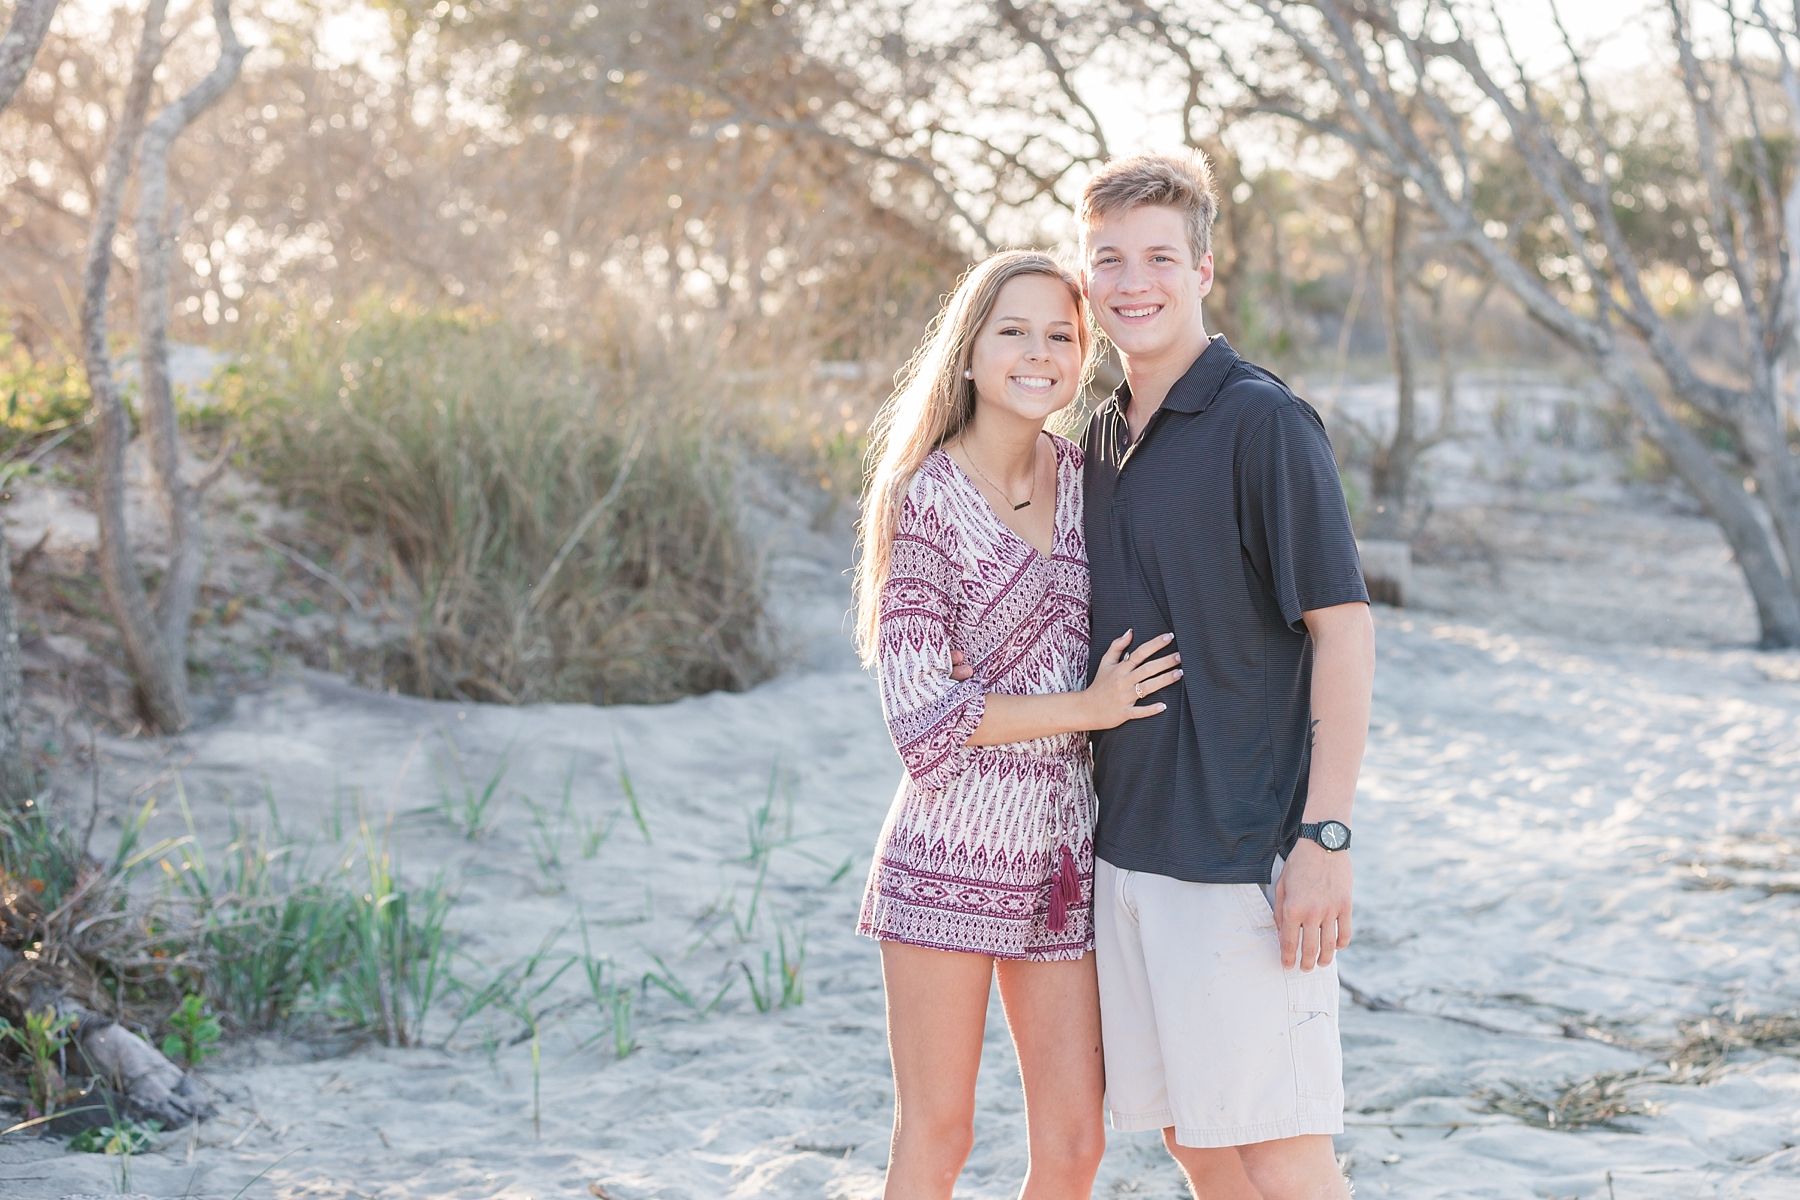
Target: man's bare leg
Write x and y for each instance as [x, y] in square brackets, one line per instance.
[1296, 1168]
[1213, 1174]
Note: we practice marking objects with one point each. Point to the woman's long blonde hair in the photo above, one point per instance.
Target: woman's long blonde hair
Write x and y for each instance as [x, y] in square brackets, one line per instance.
[932, 403]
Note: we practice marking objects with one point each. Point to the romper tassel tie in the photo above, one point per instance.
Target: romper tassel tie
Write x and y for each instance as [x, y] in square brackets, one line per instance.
[1064, 891]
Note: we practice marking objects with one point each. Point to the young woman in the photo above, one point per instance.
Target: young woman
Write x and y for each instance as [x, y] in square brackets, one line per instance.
[972, 543]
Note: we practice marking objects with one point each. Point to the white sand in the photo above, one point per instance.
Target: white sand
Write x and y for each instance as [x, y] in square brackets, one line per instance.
[1530, 806]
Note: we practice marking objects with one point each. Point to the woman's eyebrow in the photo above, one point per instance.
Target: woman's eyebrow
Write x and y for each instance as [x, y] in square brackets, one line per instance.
[1027, 320]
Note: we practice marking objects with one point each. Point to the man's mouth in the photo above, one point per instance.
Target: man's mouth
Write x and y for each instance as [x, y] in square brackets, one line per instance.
[1139, 313]
[1034, 383]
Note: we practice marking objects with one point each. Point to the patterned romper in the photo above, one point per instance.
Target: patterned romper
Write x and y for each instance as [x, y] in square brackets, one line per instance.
[987, 849]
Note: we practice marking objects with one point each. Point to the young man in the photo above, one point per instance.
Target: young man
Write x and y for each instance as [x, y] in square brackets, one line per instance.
[1222, 882]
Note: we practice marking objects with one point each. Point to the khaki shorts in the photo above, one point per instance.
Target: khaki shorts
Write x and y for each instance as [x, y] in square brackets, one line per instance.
[1202, 1028]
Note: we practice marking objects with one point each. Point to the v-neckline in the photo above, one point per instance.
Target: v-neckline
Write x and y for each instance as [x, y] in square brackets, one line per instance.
[1055, 500]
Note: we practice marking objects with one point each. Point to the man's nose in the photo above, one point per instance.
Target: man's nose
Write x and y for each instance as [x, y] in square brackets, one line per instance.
[1132, 278]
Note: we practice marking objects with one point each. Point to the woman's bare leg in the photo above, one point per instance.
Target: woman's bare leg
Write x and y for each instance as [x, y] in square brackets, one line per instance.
[1053, 1009]
[936, 1008]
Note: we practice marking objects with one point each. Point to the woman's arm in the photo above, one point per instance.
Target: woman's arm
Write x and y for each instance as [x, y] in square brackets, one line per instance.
[1112, 699]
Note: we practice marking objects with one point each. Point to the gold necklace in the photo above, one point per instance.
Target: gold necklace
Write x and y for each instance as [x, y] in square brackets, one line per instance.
[1032, 495]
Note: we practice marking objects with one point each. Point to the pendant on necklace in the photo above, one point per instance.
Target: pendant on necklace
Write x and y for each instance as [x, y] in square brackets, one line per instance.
[1021, 504]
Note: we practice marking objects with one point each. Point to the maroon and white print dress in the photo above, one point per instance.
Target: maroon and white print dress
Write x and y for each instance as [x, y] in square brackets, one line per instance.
[987, 849]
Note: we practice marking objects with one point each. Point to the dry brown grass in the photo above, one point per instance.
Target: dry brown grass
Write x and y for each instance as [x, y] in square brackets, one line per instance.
[1593, 1102]
[546, 521]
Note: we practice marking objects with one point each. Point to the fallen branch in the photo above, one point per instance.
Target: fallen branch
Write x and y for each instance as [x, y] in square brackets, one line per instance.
[310, 567]
[153, 1087]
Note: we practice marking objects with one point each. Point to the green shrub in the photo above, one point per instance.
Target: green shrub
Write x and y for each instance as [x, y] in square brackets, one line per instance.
[40, 1040]
[195, 1032]
[557, 522]
[38, 396]
[127, 1137]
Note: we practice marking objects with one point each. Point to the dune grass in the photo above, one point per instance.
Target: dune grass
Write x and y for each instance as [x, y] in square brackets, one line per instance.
[554, 521]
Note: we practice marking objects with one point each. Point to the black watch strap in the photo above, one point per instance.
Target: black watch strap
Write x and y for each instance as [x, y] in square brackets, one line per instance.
[1312, 830]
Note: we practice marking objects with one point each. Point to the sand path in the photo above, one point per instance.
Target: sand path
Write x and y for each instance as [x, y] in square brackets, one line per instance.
[1528, 816]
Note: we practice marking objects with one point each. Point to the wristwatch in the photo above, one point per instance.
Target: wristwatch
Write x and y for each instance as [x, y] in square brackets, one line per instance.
[1333, 835]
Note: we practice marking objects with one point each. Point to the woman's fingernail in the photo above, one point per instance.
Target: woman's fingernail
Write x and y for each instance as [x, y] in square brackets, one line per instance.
[1178, 674]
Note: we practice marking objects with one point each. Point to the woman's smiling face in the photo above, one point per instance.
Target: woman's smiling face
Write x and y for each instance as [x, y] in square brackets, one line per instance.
[1026, 359]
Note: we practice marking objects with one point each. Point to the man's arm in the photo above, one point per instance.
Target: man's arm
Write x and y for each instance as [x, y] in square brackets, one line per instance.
[1312, 898]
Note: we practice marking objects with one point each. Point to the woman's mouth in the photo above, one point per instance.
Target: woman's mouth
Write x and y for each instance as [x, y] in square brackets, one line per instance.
[1033, 383]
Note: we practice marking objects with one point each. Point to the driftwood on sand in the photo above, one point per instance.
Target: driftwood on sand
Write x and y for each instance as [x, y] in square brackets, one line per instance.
[153, 1087]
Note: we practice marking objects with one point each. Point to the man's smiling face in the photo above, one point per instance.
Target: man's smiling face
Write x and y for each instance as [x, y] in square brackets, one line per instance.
[1143, 282]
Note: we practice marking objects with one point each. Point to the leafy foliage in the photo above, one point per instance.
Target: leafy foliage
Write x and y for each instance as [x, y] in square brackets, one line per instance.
[196, 1032]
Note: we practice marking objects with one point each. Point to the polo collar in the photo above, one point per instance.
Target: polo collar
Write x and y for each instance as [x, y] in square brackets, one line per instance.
[1195, 391]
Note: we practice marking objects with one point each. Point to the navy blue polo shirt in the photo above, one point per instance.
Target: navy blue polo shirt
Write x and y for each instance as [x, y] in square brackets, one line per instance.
[1223, 522]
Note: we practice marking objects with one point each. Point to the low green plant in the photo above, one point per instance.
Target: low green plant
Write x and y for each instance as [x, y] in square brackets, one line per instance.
[612, 1002]
[665, 978]
[271, 927]
[783, 990]
[623, 1041]
[40, 1039]
[395, 957]
[591, 832]
[196, 1032]
[469, 809]
[125, 1138]
[631, 797]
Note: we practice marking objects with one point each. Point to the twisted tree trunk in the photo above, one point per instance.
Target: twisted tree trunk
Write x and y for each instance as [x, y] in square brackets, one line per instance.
[155, 642]
[17, 779]
[161, 678]
[1390, 474]
[156, 247]
[18, 49]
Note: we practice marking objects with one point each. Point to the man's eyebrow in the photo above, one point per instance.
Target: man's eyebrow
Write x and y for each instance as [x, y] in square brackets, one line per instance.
[1116, 250]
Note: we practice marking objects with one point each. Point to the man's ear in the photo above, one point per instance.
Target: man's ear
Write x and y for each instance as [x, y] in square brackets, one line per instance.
[1206, 274]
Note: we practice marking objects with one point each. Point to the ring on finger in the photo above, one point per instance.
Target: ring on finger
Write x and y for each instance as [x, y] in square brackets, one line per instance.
[1138, 688]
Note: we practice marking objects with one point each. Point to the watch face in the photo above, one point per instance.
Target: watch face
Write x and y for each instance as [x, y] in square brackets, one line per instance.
[1333, 835]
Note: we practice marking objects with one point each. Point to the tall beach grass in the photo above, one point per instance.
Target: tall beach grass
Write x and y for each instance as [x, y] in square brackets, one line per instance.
[552, 520]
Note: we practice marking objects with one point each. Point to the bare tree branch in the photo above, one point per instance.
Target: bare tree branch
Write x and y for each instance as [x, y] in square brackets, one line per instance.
[1016, 19]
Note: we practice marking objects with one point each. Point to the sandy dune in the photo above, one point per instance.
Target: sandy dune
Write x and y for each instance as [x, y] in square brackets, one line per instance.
[1535, 813]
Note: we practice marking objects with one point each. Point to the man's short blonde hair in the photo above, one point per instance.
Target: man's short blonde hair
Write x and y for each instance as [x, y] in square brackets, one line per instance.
[1183, 182]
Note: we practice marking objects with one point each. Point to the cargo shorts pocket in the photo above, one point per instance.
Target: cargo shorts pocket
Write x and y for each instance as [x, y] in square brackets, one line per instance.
[1313, 1031]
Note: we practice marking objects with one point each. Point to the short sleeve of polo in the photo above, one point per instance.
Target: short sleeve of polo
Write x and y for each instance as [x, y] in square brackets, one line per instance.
[1292, 518]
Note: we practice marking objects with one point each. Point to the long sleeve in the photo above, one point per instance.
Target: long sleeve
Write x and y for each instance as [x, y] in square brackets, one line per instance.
[929, 715]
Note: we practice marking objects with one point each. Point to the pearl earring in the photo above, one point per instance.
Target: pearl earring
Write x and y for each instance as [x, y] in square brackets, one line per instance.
[968, 374]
